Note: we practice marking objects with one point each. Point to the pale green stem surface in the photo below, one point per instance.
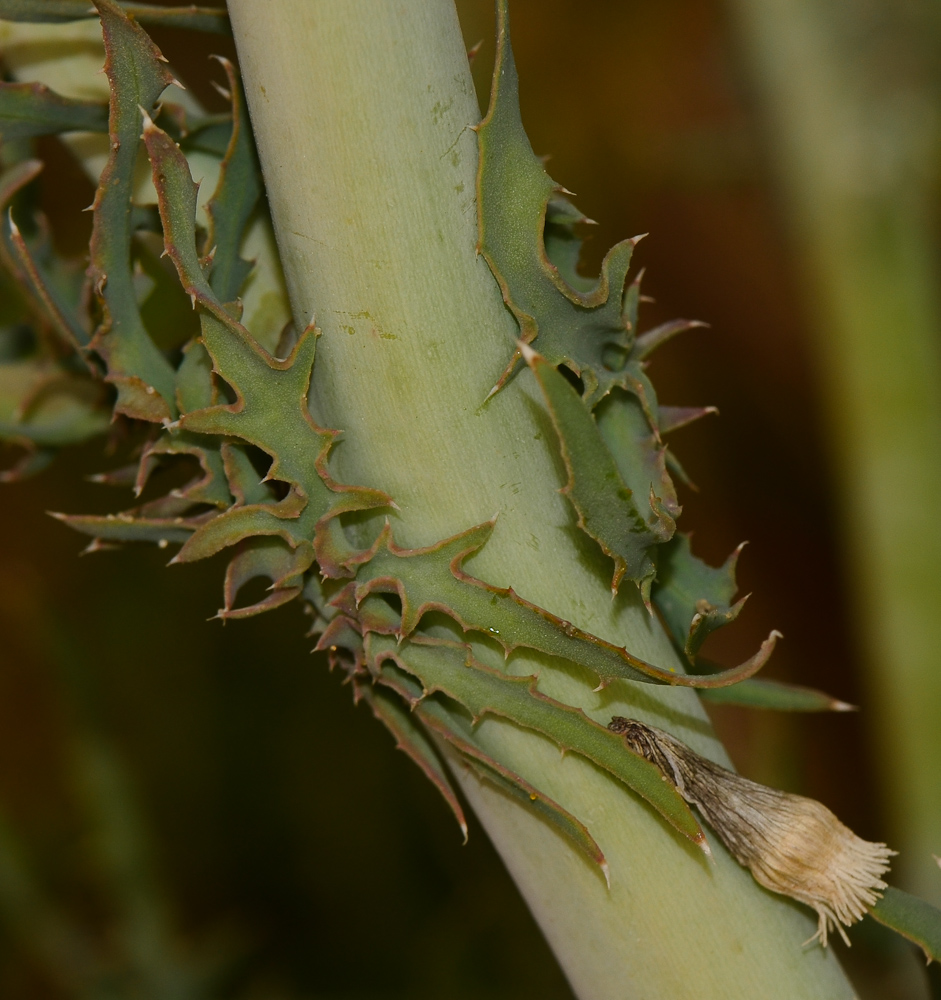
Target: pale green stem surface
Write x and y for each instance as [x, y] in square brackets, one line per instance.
[360, 109]
[854, 128]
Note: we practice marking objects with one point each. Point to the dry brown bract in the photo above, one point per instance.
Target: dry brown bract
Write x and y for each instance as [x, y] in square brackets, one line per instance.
[793, 845]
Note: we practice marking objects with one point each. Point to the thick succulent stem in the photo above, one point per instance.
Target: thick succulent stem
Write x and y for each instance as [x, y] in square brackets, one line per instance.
[361, 111]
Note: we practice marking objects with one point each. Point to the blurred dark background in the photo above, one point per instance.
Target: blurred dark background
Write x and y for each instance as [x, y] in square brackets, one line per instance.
[288, 851]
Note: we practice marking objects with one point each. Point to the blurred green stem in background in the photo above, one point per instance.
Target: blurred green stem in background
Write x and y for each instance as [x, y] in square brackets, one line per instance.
[853, 126]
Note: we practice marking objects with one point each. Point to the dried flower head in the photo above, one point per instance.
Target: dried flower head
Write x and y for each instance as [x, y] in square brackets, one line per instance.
[792, 845]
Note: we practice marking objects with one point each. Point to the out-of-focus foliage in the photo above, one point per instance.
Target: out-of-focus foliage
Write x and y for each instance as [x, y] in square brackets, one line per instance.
[851, 96]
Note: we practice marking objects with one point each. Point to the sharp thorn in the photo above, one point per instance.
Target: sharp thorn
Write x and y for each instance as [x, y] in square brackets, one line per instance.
[529, 355]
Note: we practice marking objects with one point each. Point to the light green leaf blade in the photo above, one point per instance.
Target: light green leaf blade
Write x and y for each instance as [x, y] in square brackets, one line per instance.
[442, 722]
[450, 669]
[606, 506]
[693, 597]
[755, 692]
[32, 109]
[137, 77]
[911, 917]
[576, 327]
[211, 19]
[432, 579]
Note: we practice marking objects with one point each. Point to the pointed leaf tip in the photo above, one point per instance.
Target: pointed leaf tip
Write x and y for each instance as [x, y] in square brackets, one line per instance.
[672, 418]
[774, 696]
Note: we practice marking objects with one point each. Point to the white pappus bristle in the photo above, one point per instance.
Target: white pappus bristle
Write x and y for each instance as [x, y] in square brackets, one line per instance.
[791, 844]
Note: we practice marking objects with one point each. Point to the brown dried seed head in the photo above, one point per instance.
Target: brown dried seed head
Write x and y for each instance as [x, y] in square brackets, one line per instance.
[792, 845]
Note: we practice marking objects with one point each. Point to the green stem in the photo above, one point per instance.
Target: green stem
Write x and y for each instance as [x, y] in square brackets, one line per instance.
[361, 111]
[854, 130]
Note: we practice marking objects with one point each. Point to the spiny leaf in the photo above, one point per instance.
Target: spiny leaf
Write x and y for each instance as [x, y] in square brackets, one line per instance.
[339, 636]
[563, 243]
[61, 314]
[575, 327]
[32, 109]
[137, 77]
[647, 343]
[287, 433]
[234, 199]
[606, 506]
[676, 469]
[48, 407]
[12, 181]
[209, 134]
[50, 308]
[410, 738]
[271, 409]
[911, 917]
[449, 668]
[694, 598]
[194, 387]
[637, 444]
[270, 558]
[432, 579]
[758, 693]
[445, 725]
[244, 482]
[124, 475]
[212, 19]
[672, 418]
[194, 391]
[210, 488]
[644, 344]
[141, 524]
[32, 461]
[187, 502]
[641, 459]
